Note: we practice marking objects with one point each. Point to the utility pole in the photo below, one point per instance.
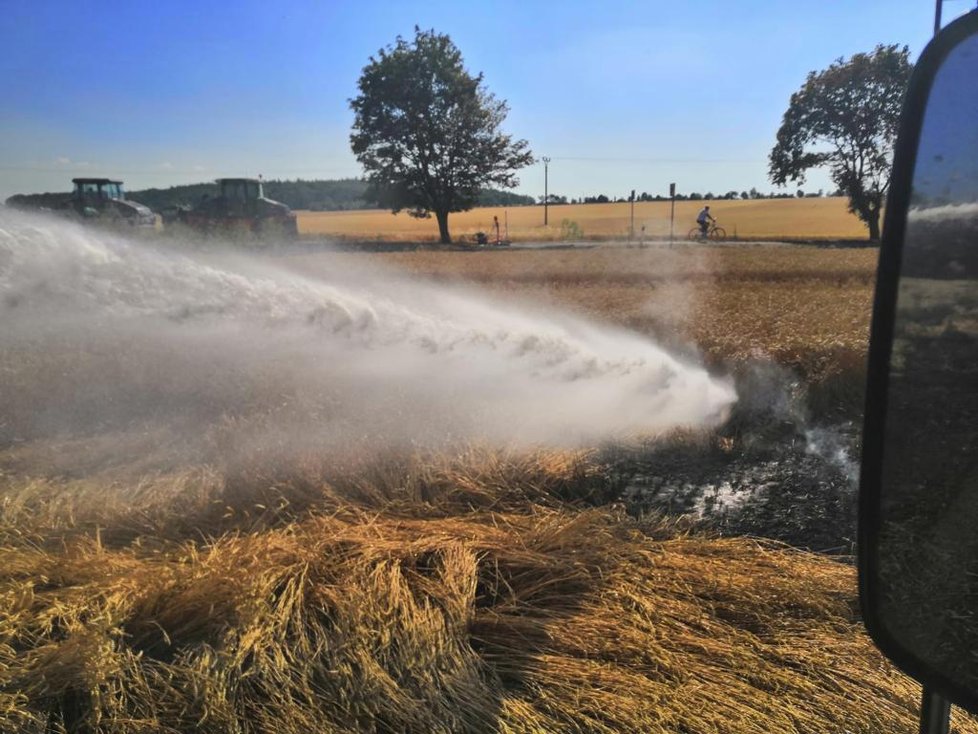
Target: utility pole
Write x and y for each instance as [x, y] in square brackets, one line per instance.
[546, 193]
[672, 214]
[631, 225]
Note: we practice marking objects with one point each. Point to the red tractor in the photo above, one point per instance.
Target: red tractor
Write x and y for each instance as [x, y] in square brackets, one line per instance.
[241, 208]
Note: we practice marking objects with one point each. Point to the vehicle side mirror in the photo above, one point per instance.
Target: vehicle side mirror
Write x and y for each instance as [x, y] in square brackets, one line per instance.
[918, 523]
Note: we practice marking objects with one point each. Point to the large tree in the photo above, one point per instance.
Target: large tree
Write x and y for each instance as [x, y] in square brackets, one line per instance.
[427, 132]
[845, 118]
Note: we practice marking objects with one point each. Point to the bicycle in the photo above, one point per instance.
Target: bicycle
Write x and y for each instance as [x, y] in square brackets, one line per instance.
[712, 233]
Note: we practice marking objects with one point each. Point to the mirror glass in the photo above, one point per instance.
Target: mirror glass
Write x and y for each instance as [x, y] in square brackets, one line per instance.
[927, 588]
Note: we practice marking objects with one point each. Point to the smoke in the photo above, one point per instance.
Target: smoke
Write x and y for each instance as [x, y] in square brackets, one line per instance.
[102, 334]
[773, 410]
[833, 447]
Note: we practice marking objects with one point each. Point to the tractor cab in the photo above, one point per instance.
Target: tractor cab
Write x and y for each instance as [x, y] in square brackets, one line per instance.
[240, 195]
[95, 192]
[104, 199]
[241, 207]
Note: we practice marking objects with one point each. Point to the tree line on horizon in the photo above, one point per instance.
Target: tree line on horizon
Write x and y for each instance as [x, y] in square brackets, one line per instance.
[312, 195]
[353, 194]
[554, 199]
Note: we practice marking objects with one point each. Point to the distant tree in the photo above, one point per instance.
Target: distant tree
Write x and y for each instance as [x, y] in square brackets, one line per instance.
[845, 118]
[730, 195]
[800, 193]
[314, 195]
[497, 197]
[695, 196]
[755, 194]
[744, 195]
[36, 201]
[427, 132]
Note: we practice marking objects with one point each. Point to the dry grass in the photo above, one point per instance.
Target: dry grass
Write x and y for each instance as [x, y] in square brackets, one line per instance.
[353, 620]
[126, 505]
[207, 591]
[821, 218]
[415, 593]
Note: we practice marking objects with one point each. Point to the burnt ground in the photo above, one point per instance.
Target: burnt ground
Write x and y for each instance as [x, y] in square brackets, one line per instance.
[787, 491]
[772, 471]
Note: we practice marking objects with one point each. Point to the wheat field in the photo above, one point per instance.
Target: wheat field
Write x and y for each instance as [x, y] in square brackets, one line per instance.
[217, 590]
[806, 308]
[810, 218]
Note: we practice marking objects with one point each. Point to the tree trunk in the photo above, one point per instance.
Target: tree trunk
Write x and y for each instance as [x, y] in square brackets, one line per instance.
[442, 218]
[874, 226]
[868, 211]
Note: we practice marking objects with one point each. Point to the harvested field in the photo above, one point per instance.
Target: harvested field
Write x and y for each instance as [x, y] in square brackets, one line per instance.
[187, 550]
[354, 620]
[770, 219]
[807, 308]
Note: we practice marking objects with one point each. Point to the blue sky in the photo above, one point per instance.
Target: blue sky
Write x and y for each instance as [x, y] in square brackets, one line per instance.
[946, 170]
[620, 95]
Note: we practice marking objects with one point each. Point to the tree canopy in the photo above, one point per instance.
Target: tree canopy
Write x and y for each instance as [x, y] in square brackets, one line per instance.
[428, 133]
[845, 118]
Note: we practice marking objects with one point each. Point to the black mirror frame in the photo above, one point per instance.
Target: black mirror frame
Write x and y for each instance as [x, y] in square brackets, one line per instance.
[881, 335]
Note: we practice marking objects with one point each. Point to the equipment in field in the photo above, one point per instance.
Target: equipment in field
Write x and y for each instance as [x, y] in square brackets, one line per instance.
[104, 200]
[241, 208]
[481, 238]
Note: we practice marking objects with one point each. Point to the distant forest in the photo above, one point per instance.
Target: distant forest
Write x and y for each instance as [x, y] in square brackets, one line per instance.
[347, 193]
[351, 193]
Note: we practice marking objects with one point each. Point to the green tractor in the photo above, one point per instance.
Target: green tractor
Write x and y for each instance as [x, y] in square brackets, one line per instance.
[104, 200]
[241, 208]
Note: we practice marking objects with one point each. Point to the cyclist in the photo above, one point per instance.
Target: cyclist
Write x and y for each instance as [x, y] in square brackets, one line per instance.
[702, 218]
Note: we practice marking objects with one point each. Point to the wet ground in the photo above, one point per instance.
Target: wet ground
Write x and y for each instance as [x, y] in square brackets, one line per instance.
[785, 494]
[769, 473]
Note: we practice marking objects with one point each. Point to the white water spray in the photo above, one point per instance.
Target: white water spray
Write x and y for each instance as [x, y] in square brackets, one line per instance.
[101, 333]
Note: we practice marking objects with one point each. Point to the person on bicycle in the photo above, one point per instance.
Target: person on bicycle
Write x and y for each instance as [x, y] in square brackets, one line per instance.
[703, 218]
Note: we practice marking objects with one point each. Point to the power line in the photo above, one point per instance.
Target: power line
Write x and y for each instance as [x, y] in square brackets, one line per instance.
[74, 168]
[654, 160]
[154, 171]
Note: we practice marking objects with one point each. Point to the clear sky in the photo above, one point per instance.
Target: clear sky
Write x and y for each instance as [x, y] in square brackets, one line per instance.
[620, 95]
